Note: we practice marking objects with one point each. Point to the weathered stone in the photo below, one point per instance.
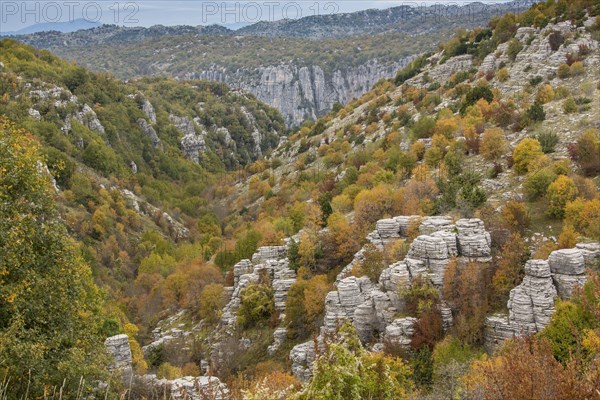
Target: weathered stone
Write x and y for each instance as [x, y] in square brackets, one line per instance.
[266, 253]
[192, 143]
[279, 337]
[302, 356]
[567, 262]
[118, 347]
[531, 304]
[241, 268]
[388, 228]
[189, 387]
[590, 252]
[568, 270]
[497, 330]
[473, 240]
[88, 117]
[350, 295]
[400, 331]
[149, 131]
[148, 109]
[435, 224]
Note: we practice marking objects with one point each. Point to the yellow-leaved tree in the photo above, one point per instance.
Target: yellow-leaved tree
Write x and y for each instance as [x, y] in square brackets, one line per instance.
[50, 309]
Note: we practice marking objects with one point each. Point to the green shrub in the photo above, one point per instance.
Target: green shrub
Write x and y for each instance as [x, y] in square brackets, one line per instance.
[537, 182]
[569, 106]
[514, 48]
[548, 141]
[256, 305]
[536, 112]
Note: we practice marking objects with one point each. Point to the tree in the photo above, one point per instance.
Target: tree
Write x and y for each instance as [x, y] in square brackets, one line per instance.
[493, 144]
[536, 112]
[559, 193]
[257, 304]
[373, 263]
[524, 369]
[509, 269]
[516, 216]
[525, 152]
[556, 39]
[50, 309]
[465, 291]
[537, 182]
[344, 370]
[341, 239]
[371, 205]
[212, 301]
[514, 48]
[587, 152]
[545, 94]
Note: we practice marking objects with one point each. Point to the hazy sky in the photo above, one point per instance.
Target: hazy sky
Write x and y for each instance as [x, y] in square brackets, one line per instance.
[17, 14]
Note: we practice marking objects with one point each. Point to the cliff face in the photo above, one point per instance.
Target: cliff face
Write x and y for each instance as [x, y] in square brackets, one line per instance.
[301, 92]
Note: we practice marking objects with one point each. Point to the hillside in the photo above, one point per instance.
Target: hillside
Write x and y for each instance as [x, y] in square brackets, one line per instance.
[469, 169]
[294, 72]
[435, 238]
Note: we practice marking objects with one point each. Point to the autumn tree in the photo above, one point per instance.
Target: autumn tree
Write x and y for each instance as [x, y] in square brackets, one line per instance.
[212, 301]
[559, 193]
[524, 369]
[493, 144]
[257, 304]
[465, 291]
[340, 241]
[509, 270]
[525, 152]
[345, 370]
[50, 310]
[586, 152]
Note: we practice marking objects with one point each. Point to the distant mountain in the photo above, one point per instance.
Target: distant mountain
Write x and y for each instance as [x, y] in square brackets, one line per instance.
[301, 67]
[64, 27]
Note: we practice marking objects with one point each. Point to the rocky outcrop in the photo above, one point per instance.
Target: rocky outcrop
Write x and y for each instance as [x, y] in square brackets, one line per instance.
[537, 51]
[531, 304]
[568, 270]
[270, 262]
[149, 131]
[189, 387]
[305, 91]
[176, 229]
[372, 306]
[118, 348]
[148, 109]
[87, 117]
[400, 331]
[167, 331]
[192, 143]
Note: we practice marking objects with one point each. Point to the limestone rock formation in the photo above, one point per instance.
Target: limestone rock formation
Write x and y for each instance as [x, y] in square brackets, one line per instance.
[148, 109]
[118, 348]
[568, 270]
[531, 304]
[88, 117]
[305, 91]
[400, 331]
[149, 131]
[189, 387]
[192, 143]
[269, 260]
[372, 306]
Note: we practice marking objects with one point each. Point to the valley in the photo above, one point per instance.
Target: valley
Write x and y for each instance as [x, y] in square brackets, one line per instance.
[415, 219]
